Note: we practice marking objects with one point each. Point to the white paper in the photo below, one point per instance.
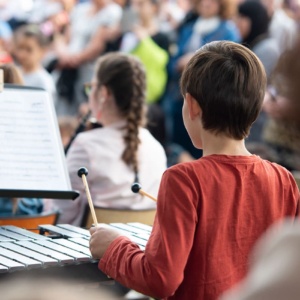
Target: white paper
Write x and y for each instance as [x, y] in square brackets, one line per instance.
[31, 153]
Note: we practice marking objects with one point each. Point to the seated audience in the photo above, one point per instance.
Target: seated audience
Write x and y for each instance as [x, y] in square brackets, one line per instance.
[211, 21]
[253, 23]
[282, 27]
[142, 38]
[30, 45]
[90, 27]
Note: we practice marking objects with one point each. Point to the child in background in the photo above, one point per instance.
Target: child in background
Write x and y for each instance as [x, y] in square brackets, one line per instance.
[211, 211]
[30, 45]
[122, 151]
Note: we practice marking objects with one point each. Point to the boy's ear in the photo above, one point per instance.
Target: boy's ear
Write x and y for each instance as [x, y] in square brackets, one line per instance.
[194, 108]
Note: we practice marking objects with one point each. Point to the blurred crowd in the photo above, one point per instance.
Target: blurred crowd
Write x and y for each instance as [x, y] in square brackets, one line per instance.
[53, 44]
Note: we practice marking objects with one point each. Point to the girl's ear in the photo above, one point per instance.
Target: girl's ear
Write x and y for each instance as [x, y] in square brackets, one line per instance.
[194, 108]
[104, 92]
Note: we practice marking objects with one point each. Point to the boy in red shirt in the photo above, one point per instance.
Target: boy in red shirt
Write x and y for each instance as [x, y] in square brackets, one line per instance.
[210, 211]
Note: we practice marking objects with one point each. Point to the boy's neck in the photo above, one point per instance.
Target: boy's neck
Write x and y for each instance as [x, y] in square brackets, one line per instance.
[220, 144]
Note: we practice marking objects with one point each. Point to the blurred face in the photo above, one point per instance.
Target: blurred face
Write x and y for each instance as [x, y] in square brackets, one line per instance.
[244, 25]
[28, 52]
[145, 9]
[208, 8]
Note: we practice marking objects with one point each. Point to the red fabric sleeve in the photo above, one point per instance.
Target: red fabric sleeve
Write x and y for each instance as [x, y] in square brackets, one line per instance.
[159, 270]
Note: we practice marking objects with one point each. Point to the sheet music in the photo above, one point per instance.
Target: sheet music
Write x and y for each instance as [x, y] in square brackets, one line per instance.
[31, 153]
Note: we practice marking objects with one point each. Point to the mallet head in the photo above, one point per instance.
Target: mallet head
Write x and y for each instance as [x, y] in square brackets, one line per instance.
[136, 187]
[82, 171]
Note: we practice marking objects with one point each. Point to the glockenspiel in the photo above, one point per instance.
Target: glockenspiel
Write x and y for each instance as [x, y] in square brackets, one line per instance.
[63, 253]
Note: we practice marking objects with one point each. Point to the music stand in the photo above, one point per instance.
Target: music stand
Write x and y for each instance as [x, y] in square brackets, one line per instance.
[31, 153]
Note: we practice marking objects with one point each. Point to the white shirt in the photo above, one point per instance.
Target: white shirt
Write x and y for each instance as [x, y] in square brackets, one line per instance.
[110, 179]
[41, 79]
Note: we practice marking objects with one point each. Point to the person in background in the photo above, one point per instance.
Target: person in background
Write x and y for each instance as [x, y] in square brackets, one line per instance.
[89, 29]
[29, 48]
[292, 8]
[210, 22]
[122, 151]
[172, 14]
[142, 38]
[211, 211]
[282, 27]
[282, 136]
[253, 23]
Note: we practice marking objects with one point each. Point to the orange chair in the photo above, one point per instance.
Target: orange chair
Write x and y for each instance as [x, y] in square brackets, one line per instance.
[31, 221]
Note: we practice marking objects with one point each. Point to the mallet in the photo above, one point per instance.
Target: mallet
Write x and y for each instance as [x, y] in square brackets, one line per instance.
[83, 172]
[136, 188]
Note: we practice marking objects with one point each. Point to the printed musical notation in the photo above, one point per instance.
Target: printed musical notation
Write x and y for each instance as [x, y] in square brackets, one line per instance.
[31, 154]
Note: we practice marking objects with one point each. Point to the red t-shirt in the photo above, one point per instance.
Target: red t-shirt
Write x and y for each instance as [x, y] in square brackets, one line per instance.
[210, 212]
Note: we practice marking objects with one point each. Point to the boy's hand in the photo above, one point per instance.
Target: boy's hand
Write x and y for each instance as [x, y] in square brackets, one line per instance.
[101, 238]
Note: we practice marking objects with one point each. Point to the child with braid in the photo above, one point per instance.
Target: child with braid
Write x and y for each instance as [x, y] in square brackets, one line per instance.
[120, 152]
[210, 211]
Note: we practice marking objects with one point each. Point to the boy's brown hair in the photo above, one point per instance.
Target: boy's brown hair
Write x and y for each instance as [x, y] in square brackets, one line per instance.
[228, 81]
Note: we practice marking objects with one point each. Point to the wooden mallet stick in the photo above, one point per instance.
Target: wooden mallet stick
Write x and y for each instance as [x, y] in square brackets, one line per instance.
[136, 188]
[83, 172]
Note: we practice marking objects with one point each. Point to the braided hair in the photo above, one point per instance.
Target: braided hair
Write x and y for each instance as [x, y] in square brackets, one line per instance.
[124, 76]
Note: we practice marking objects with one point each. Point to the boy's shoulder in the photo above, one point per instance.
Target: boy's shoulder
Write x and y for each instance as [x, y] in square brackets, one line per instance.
[213, 163]
[188, 167]
[276, 168]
